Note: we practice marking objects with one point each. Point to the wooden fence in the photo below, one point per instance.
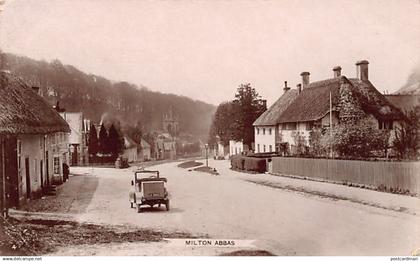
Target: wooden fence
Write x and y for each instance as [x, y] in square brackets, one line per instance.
[392, 175]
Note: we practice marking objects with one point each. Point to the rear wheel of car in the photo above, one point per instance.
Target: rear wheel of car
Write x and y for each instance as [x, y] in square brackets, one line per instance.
[138, 208]
[167, 205]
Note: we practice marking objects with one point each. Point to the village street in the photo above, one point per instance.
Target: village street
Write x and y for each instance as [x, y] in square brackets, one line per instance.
[284, 216]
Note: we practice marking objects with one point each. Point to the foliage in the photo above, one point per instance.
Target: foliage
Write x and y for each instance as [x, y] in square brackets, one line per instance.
[93, 142]
[316, 145]
[359, 139]
[234, 119]
[95, 95]
[103, 141]
[115, 142]
[249, 107]
[406, 141]
[299, 140]
[248, 163]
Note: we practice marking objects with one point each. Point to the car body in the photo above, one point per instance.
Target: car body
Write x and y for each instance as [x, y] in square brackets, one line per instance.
[148, 189]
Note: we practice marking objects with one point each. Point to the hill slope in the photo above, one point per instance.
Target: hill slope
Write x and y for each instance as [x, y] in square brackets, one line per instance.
[413, 83]
[95, 95]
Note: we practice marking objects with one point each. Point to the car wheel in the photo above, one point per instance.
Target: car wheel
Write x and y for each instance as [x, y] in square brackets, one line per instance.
[167, 205]
[138, 208]
[131, 204]
[159, 205]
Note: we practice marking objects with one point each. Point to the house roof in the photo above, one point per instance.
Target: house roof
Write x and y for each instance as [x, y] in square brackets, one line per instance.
[313, 102]
[22, 111]
[145, 144]
[272, 115]
[129, 142]
[405, 102]
[374, 102]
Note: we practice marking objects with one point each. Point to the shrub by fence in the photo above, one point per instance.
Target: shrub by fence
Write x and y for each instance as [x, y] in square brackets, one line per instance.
[390, 176]
[248, 163]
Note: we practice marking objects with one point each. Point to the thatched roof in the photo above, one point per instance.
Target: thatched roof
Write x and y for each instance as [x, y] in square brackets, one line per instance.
[313, 102]
[22, 111]
[272, 115]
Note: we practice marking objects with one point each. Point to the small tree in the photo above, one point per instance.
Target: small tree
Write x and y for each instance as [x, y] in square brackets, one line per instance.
[299, 143]
[316, 145]
[93, 142]
[103, 141]
[115, 142]
[406, 141]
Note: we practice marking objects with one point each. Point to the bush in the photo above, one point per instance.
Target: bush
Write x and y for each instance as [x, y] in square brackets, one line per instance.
[248, 163]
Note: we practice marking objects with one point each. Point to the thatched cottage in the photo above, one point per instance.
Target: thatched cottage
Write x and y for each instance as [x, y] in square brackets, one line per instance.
[310, 104]
[34, 142]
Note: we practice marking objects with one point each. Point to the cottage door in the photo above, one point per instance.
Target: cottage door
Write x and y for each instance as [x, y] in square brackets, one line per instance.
[28, 178]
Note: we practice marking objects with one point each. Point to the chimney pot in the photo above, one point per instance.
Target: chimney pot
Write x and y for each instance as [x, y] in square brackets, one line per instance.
[305, 79]
[337, 71]
[286, 88]
[35, 89]
[362, 70]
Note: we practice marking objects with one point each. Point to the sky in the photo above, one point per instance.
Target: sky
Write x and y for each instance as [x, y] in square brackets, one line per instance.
[206, 49]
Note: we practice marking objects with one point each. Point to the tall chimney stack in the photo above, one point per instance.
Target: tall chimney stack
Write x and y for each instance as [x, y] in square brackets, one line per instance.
[35, 89]
[337, 71]
[362, 70]
[305, 79]
[286, 88]
[299, 88]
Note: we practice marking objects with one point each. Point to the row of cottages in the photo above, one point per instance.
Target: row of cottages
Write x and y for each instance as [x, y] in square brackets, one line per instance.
[136, 152]
[300, 110]
[34, 143]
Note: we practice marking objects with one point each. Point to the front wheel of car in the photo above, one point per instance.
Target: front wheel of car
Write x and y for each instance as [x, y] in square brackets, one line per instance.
[131, 204]
[167, 205]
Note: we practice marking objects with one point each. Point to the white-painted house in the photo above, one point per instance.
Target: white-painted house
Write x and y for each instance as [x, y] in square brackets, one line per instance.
[298, 111]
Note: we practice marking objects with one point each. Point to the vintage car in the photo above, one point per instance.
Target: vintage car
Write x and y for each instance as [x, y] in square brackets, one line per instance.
[148, 189]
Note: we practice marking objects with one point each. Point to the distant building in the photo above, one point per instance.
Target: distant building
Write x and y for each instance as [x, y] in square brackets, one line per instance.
[166, 146]
[298, 111]
[34, 142]
[144, 153]
[130, 149]
[237, 147]
[78, 146]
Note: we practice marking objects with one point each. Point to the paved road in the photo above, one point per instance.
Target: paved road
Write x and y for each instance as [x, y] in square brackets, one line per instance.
[288, 217]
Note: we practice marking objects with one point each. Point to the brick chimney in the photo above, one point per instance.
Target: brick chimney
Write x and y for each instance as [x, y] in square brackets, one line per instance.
[35, 89]
[286, 88]
[299, 88]
[305, 79]
[337, 71]
[264, 103]
[362, 70]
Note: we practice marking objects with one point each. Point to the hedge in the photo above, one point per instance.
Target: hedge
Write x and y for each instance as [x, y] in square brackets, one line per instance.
[248, 163]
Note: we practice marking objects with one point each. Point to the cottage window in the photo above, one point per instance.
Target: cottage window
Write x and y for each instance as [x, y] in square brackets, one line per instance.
[269, 131]
[258, 130]
[290, 126]
[258, 148]
[270, 148]
[264, 149]
[386, 125]
[263, 131]
[19, 154]
[309, 125]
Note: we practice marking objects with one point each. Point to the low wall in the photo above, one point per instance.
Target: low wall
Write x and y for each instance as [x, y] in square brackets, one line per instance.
[379, 174]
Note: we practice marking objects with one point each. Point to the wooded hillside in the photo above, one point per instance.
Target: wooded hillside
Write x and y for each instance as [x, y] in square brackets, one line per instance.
[95, 95]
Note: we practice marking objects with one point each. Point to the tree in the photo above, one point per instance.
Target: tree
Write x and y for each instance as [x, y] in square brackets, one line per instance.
[115, 141]
[359, 139]
[234, 119]
[103, 141]
[249, 107]
[406, 141]
[299, 143]
[93, 142]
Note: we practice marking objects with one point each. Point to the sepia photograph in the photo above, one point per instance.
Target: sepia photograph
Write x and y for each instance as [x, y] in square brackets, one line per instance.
[209, 128]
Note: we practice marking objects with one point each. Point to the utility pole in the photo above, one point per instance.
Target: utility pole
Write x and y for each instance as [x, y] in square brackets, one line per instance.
[207, 158]
[331, 126]
[3, 204]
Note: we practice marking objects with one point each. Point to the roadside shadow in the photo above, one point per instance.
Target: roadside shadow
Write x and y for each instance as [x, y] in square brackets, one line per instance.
[162, 209]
